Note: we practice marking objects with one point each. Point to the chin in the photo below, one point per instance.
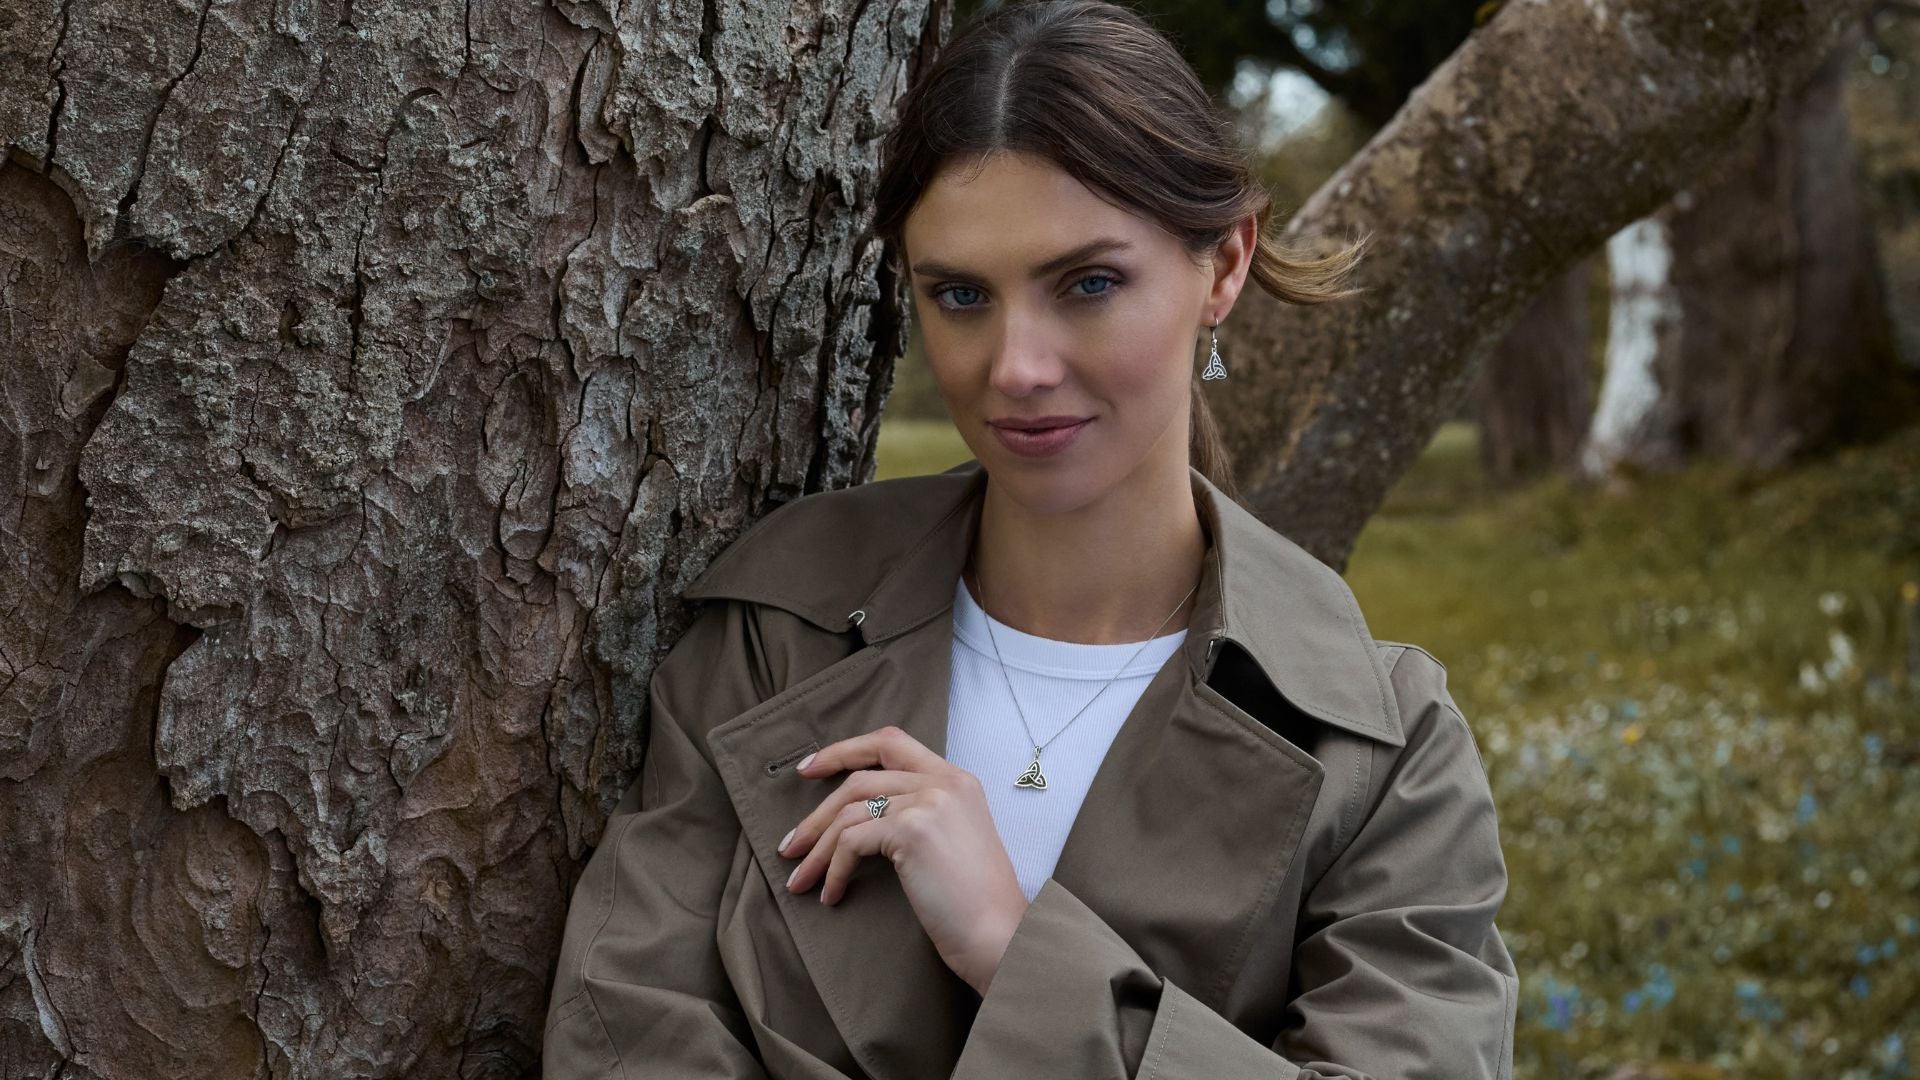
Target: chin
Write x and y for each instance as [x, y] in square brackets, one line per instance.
[1052, 486]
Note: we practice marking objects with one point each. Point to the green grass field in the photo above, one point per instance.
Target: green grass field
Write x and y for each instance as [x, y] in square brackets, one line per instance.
[1698, 701]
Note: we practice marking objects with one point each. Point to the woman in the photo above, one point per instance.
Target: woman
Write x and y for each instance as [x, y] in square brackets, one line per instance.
[1259, 845]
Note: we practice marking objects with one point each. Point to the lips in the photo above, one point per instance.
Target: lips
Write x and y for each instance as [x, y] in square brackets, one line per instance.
[1052, 435]
[1044, 423]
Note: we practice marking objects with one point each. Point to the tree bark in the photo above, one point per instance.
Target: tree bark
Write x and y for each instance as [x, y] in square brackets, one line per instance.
[1532, 397]
[1636, 422]
[382, 372]
[1551, 128]
[1780, 344]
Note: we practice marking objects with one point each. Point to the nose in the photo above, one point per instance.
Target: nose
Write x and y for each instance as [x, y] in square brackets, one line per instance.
[1025, 360]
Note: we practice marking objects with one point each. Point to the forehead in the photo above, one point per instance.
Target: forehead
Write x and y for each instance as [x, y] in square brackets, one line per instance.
[1010, 211]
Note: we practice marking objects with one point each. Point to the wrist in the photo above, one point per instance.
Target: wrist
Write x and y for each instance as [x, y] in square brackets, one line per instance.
[993, 947]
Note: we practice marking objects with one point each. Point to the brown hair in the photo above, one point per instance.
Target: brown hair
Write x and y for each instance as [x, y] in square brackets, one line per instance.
[1095, 88]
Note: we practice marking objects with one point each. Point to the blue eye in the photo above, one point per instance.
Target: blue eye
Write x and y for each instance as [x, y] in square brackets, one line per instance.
[937, 293]
[1110, 283]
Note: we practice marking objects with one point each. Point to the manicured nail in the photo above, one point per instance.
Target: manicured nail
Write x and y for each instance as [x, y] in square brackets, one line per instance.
[790, 877]
[804, 761]
[788, 839]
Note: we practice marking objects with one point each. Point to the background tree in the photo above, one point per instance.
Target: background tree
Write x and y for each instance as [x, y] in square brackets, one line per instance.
[1551, 127]
[1773, 340]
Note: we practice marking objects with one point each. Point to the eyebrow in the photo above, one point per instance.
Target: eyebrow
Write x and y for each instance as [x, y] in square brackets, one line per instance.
[1051, 266]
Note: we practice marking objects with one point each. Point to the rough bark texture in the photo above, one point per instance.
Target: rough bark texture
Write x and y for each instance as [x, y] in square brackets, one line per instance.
[379, 374]
[1532, 391]
[1554, 125]
[1784, 347]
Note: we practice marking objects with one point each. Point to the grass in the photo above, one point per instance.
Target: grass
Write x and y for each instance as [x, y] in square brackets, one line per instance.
[1696, 699]
[917, 447]
[1697, 696]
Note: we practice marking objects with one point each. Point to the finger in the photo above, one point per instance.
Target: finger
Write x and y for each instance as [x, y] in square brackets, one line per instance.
[889, 747]
[857, 788]
[814, 865]
[873, 836]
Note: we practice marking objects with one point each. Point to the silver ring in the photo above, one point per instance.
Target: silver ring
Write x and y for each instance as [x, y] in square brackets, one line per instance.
[876, 805]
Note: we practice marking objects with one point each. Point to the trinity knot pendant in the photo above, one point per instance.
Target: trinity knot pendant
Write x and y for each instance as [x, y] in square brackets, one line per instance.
[1032, 777]
[1215, 369]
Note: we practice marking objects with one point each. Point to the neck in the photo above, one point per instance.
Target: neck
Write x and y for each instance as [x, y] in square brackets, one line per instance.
[1107, 572]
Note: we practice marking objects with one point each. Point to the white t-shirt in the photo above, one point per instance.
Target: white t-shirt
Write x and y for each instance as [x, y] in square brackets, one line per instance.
[1053, 680]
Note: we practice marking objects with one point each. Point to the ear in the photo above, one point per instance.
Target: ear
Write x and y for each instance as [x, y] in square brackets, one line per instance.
[1230, 266]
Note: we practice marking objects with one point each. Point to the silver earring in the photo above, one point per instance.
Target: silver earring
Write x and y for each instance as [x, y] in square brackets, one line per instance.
[1215, 369]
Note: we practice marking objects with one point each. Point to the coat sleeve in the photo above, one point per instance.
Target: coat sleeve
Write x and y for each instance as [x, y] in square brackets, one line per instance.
[640, 989]
[1400, 973]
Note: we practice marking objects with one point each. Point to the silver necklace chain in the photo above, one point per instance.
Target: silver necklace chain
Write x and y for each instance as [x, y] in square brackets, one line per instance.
[1033, 777]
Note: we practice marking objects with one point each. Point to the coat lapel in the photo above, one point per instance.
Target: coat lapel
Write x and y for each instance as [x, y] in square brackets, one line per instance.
[1193, 816]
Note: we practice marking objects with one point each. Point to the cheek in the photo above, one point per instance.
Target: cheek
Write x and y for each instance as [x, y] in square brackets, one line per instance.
[954, 371]
[1144, 350]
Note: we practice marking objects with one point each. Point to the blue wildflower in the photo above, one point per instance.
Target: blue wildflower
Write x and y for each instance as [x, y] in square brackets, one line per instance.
[1892, 1053]
[1754, 1005]
[1803, 813]
[1858, 985]
[1560, 1004]
[1734, 891]
[1730, 844]
[1659, 985]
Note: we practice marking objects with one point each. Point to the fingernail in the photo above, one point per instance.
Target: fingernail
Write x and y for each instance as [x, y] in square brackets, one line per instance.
[804, 761]
[788, 839]
[790, 877]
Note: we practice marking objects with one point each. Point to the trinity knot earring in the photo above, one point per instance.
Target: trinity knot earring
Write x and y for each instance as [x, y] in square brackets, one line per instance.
[1215, 369]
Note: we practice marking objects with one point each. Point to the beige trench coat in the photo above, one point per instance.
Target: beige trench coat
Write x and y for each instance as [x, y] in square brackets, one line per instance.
[1288, 865]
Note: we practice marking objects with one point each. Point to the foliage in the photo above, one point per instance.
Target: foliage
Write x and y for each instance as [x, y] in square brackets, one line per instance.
[1696, 699]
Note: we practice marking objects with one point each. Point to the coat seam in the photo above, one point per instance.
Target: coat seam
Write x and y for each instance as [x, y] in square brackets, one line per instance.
[586, 954]
[1471, 740]
[1353, 801]
[1509, 985]
[1172, 1002]
[1366, 647]
[1356, 798]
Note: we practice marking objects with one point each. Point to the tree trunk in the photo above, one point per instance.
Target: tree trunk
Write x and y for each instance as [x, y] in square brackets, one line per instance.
[1635, 421]
[1780, 345]
[381, 373]
[1550, 129]
[1532, 397]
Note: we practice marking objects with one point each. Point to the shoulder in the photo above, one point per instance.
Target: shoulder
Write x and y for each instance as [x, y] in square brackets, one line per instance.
[1428, 712]
[1393, 652]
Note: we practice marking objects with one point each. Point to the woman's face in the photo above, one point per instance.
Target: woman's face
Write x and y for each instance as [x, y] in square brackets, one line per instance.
[1023, 320]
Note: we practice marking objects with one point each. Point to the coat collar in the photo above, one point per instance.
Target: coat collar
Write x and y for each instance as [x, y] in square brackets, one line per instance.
[1194, 814]
[846, 561]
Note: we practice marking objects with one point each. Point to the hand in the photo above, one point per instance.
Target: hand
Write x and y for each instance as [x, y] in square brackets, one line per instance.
[938, 833]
